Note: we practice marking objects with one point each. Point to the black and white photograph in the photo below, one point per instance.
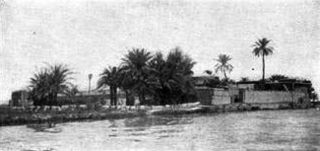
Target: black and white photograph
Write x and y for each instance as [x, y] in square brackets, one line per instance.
[159, 75]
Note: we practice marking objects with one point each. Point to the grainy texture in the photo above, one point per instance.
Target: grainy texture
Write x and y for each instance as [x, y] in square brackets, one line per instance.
[89, 35]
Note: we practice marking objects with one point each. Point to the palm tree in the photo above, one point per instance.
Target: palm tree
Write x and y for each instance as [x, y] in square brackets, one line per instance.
[39, 86]
[59, 76]
[111, 77]
[50, 81]
[71, 92]
[171, 77]
[127, 84]
[261, 48]
[136, 62]
[223, 65]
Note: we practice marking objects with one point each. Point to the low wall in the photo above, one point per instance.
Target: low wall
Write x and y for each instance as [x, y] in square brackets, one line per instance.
[274, 97]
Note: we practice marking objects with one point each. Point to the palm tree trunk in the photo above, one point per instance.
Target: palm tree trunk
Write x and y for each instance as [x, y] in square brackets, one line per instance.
[111, 95]
[130, 98]
[263, 67]
[115, 96]
[225, 75]
[127, 96]
[141, 97]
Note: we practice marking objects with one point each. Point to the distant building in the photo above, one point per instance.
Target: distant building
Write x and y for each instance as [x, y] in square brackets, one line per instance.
[282, 91]
[281, 85]
[20, 98]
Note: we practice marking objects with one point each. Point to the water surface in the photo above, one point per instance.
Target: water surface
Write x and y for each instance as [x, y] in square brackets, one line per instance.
[261, 130]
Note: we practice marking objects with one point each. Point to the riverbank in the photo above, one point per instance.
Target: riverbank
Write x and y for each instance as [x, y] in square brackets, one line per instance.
[20, 117]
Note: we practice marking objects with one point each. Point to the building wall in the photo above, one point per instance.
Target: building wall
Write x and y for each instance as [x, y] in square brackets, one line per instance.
[274, 96]
[19, 98]
[221, 96]
[204, 95]
[216, 96]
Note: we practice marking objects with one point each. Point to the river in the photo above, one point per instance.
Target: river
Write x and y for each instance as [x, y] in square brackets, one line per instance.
[259, 130]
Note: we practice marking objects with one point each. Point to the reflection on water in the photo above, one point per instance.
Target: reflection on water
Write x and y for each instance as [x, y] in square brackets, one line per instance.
[263, 130]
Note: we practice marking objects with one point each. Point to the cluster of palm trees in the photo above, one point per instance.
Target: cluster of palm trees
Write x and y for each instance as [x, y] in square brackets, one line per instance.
[155, 79]
[49, 82]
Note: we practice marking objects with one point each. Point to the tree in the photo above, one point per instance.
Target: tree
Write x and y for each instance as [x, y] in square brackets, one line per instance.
[71, 92]
[39, 87]
[59, 76]
[261, 48]
[110, 77]
[136, 63]
[171, 79]
[127, 84]
[50, 81]
[223, 65]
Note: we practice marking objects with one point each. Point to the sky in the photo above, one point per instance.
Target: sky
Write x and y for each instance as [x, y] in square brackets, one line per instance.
[89, 36]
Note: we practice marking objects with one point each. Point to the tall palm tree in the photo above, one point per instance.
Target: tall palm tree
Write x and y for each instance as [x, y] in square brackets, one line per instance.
[110, 77]
[261, 48]
[136, 63]
[223, 65]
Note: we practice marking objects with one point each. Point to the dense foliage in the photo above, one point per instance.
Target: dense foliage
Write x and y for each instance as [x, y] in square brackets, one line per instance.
[47, 83]
[171, 77]
[111, 77]
[155, 79]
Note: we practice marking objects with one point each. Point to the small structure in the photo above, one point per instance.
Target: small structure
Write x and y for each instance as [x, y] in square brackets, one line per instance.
[218, 96]
[204, 95]
[20, 98]
[280, 85]
[257, 92]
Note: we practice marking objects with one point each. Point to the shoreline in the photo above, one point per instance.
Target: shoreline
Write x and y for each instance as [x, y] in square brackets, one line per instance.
[14, 117]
